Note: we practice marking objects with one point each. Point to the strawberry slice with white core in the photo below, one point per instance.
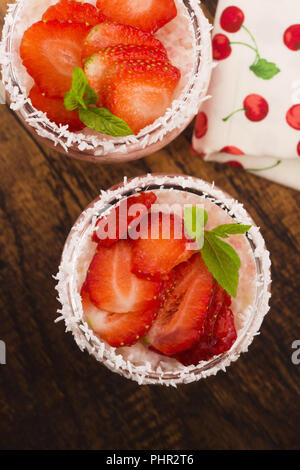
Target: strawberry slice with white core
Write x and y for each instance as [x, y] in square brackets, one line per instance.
[109, 34]
[117, 329]
[204, 349]
[113, 287]
[139, 92]
[147, 15]
[96, 66]
[71, 10]
[50, 51]
[126, 215]
[221, 340]
[162, 245]
[180, 320]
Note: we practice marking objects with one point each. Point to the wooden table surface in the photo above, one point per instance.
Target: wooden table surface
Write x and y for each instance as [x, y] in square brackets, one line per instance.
[54, 396]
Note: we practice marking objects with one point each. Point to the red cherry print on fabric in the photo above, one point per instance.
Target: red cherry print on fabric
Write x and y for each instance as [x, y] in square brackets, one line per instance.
[298, 148]
[221, 47]
[293, 117]
[195, 153]
[201, 125]
[291, 37]
[232, 19]
[235, 164]
[232, 150]
[256, 107]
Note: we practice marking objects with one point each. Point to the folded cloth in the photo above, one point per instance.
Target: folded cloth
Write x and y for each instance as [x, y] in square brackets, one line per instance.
[252, 119]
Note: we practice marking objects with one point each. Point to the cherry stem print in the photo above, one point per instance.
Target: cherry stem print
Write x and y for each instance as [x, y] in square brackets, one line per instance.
[233, 112]
[245, 44]
[252, 37]
[240, 166]
[232, 21]
[278, 162]
[255, 106]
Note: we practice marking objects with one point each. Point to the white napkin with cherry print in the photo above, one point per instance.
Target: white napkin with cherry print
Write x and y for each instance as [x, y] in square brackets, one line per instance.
[252, 120]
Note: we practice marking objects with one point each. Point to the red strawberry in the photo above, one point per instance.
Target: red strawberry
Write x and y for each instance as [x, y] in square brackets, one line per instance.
[224, 332]
[71, 10]
[111, 34]
[204, 348]
[147, 16]
[161, 245]
[50, 51]
[122, 217]
[98, 64]
[55, 110]
[139, 92]
[118, 329]
[180, 320]
[113, 287]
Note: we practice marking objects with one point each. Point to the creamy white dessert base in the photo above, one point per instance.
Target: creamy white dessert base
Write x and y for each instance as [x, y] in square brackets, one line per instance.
[248, 307]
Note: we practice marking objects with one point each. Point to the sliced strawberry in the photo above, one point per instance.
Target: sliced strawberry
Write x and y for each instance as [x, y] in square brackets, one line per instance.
[71, 10]
[145, 15]
[139, 93]
[111, 34]
[118, 329]
[125, 215]
[224, 332]
[167, 287]
[97, 65]
[50, 52]
[204, 348]
[161, 245]
[180, 320]
[55, 110]
[113, 287]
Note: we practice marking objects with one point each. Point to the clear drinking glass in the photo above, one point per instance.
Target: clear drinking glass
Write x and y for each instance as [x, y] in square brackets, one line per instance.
[89, 145]
[68, 285]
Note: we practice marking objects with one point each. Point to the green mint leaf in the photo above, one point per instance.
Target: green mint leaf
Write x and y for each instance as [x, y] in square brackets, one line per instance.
[74, 98]
[230, 229]
[81, 94]
[70, 101]
[90, 96]
[222, 261]
[103, 121]
[79, 82]
[227, 249]
[264, 69]
[195, 219]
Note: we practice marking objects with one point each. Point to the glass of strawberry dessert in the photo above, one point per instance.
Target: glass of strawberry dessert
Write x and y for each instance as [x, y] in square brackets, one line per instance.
[105, 80]
[164, 279]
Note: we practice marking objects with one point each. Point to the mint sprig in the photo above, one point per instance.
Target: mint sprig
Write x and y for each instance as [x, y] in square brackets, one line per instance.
[83, 97]
[220, 257]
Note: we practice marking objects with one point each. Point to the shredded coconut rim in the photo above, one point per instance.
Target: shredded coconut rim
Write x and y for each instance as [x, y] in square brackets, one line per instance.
[93, 145]
[72, 313]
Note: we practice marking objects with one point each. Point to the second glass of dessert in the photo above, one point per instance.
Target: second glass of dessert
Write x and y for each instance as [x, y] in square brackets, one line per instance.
[164, 279]
[106, 80]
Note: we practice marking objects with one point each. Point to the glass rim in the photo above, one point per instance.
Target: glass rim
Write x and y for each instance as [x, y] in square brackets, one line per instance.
[194, 91]
[68, 291]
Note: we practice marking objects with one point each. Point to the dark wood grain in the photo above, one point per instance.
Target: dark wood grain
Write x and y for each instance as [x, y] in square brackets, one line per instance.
[54, 396]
